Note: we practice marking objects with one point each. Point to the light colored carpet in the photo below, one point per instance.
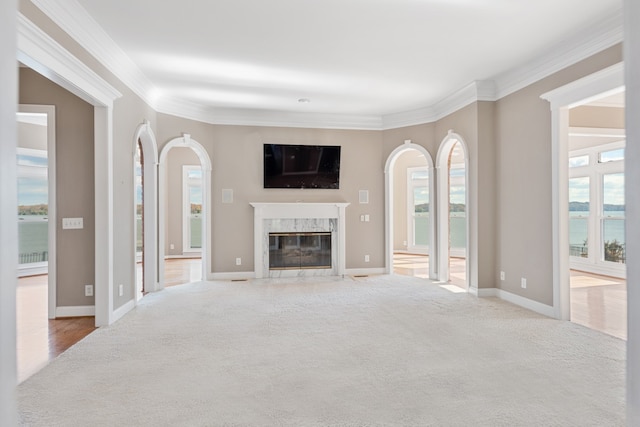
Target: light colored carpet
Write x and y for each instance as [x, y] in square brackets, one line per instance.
[385, 350]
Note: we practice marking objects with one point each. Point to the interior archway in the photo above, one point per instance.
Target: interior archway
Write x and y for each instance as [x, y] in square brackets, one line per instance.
[148, 150]
[452, 164]
[391, 200]
[205, 162]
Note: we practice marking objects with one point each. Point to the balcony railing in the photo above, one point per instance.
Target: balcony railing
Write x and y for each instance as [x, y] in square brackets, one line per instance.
[31, 257]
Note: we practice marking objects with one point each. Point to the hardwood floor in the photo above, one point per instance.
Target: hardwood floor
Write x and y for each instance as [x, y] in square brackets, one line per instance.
[40, 340]
[597, 302]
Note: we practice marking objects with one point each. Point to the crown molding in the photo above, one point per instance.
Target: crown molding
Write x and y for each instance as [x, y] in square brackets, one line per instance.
[46, 56]
[606, 33]
[76, 21]
[247, 117]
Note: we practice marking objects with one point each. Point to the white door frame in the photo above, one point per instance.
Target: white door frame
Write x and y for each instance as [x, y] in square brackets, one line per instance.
[442, 168]
[186, 141]
[389, 200]
[40, 52]
[151, 253]
[50, 111]
[605, 82]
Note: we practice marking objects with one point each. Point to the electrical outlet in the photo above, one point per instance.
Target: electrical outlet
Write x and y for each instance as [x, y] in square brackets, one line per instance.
[120, 290]
[404, 243]
[366, 258]
[502, 275]
[172, 246]
[523, 283]
[88, 290]
[238, 261]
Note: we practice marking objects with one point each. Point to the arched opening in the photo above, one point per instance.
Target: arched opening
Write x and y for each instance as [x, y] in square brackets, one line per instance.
[453, 214]
[145, 166]
[410, 225]
[195, 207]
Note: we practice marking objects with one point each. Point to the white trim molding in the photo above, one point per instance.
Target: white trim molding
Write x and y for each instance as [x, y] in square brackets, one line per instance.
[529, 304]
[75, 311]
[606, 82]
[43, 54]
[149, 146]
[81, 26]
[389, 202]
[186, 141]
[40, 52]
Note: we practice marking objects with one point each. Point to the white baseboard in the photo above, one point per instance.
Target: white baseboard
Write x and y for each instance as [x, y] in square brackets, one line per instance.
[364, 271]
[236, 275]
[538, 307]
[184, 256]
[76, 311]
[124, 309]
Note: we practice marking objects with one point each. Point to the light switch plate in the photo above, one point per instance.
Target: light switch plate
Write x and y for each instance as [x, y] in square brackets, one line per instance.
[72, 224]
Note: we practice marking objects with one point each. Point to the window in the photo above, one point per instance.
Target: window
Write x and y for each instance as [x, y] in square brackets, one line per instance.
[419, 210]
[577, 161]
[597, 208]
[192, 217]
[33, 206]
[579, 196]
[457, 209]
[613, 218]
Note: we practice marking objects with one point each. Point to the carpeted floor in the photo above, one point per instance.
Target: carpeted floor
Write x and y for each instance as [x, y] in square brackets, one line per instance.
[377, 351]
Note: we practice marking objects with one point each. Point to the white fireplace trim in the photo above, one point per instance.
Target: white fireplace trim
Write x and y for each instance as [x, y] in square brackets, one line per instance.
[266, 211]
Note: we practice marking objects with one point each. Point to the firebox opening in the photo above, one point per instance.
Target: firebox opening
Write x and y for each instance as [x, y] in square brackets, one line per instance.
[295, 251]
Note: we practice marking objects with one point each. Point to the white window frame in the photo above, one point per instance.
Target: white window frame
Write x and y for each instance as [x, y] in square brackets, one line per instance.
[411, 186]
[459, 252]
[595, 171]
[186, 204]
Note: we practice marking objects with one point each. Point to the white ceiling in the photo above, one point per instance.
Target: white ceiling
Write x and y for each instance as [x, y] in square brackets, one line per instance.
[353, 58]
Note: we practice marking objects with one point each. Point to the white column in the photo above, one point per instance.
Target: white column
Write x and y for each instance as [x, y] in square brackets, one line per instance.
[632, 177]
[8, 216]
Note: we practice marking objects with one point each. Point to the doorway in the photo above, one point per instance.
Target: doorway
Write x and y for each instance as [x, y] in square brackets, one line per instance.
[410, 225]
[145, 211]
[596, 210]
[453, 214]
[185, 206]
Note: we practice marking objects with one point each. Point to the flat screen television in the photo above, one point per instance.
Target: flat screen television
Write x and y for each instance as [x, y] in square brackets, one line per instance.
[301, 166]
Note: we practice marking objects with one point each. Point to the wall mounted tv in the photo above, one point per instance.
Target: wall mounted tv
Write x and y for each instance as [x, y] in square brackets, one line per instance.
[301, 166]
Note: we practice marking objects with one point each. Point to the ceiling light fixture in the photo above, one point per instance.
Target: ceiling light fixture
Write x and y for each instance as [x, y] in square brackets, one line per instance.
[304, 100]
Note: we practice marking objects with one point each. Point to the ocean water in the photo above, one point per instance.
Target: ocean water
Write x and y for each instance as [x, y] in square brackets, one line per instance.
[33, 238]
[613, 228]
[457, 224]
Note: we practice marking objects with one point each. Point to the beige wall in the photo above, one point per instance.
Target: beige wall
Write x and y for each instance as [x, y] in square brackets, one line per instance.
[74, 184]
[523, 168]
[236, 156]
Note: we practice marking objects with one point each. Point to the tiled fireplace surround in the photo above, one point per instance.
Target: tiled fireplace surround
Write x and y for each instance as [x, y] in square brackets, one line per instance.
[300, 218]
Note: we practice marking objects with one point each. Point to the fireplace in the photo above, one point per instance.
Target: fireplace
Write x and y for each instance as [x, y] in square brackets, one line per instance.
[299, 250]
[299, 239]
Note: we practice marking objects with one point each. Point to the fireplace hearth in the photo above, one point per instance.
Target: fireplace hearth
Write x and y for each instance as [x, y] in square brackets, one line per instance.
[298, 251]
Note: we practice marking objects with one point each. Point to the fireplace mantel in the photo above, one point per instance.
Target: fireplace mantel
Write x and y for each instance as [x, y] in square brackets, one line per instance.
[303, 211]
